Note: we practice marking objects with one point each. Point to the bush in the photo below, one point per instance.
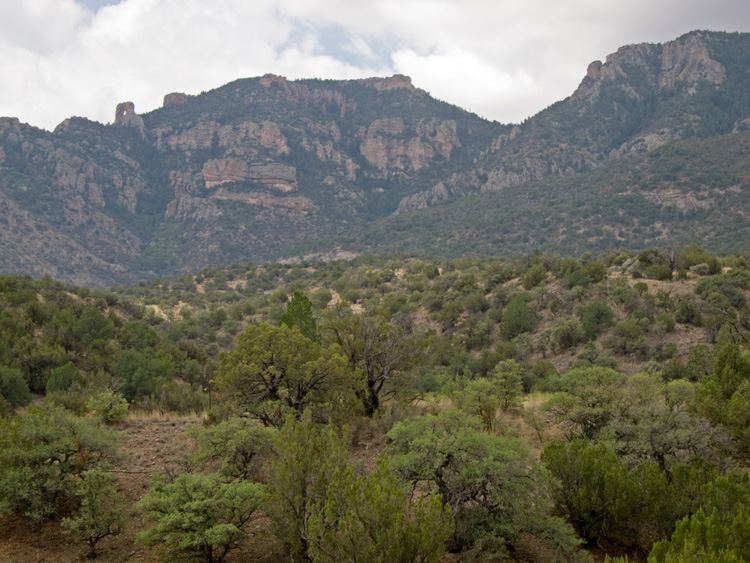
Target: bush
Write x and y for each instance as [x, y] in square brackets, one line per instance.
[13, 388]
[199, 516]
[109, 406]
[63, 377]
[43, 453]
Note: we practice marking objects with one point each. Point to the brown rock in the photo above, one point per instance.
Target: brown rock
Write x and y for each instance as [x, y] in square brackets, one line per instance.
[390, 83]
[221, 171]
[175, 99]
[125, 115]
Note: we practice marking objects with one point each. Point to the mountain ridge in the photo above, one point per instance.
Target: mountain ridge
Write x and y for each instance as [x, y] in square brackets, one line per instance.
[267, 168]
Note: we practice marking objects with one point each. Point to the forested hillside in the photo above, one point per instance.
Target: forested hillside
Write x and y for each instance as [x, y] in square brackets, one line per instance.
[422, 402]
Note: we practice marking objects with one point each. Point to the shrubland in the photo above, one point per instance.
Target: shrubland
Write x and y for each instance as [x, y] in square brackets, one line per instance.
[394, 408]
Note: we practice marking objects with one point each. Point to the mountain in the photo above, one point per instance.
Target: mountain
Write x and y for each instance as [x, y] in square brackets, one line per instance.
[652, 148]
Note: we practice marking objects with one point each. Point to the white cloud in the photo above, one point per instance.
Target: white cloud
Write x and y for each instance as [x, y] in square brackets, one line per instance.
[503, 59]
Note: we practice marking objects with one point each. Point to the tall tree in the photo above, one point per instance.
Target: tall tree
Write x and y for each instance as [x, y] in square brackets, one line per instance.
[380, 351]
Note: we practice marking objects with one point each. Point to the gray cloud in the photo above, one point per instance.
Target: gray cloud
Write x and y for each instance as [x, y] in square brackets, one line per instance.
[503, 59]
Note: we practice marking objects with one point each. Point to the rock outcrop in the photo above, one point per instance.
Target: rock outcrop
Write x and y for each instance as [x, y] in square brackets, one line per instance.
[683, 61]
[125, 115]
[225, 170]
[175, 99]
[389, 147]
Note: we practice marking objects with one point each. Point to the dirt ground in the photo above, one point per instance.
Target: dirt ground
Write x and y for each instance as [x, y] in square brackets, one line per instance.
[150, 443]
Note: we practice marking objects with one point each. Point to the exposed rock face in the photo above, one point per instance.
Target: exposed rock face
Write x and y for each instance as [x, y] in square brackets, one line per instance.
[685, 60]
[221, 171]
[175, 99]
[455, 186]
[125, 115]
[237, 138]
[395, 81]
[387, 147]
[689, 61]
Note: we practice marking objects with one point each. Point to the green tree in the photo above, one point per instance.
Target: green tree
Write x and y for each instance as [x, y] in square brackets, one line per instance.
[517, 318]
[507, 379]
[724, 395]
[595, 315]
[110, 406]
[585, 397]
[198, 516]
[102, 510]
[274, 370]
[566, 334]
[719, 532]
[298, 313]
[371, 518]
[14, 388]
[307, 458]
[603, 499]
[236, 446]
[495, 490]
[63, 377]
[479, 398]
[43, 453]
[376, 349]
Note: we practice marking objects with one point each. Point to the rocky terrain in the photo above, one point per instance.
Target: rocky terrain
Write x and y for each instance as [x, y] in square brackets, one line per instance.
[268, 168]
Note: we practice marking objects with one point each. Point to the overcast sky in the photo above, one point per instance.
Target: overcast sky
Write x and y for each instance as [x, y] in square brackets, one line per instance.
[502, 59]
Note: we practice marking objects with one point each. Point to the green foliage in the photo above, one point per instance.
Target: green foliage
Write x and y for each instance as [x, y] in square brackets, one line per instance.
[298, 313]
[63, 377]
[110, 406]
[494, 488]
[719, 532]
[595, 316]
[43, 452]
[308, 456]
[102, 510]
[275, 370]
[724, 395]
[517, 318]
[535, 275]
[507, 380]
[378, 350]
[566, 334]
[584, 398]
[198, 516]
[236, 446]
[371, 518]
[13, 387]
[603, 499]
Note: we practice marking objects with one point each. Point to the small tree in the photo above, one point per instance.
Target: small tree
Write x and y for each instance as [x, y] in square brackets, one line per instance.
[199, 516]
[238, 446]
[42, 453]
[507, 379]
[110, 406]
[298, 313]
[494, 488]
[370, 518]
[307, 458]
[102, 511]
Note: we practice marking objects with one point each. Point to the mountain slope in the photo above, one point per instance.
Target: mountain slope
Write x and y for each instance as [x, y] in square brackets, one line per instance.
[267, 168]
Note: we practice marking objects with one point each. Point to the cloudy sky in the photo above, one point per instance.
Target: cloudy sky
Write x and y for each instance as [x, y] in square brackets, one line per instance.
[502, 59]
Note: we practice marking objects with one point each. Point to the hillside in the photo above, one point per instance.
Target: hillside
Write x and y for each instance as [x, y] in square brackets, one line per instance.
[632, 363]
[267, 168]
